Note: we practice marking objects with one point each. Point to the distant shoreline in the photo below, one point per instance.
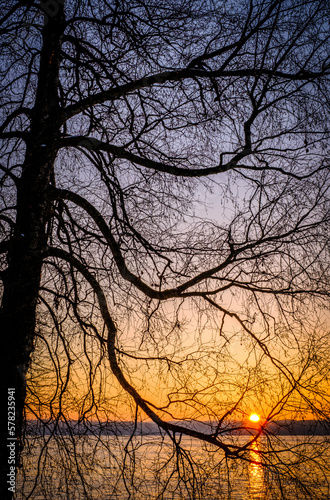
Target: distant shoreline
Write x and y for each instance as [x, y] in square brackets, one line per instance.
[276, 428]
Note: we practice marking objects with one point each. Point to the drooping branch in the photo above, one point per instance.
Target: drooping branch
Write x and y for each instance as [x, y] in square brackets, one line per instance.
[236, 253]
[93, 144]
[229, 449]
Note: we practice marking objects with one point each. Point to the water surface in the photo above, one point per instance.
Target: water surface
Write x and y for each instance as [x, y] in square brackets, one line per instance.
[151, 467]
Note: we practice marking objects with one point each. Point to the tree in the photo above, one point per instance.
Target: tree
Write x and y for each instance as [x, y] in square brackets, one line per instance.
[120, 122]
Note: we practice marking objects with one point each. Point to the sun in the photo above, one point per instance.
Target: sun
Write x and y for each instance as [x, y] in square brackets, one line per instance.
[254, 417]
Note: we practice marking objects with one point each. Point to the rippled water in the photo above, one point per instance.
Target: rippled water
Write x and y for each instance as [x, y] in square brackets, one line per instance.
[112, 468]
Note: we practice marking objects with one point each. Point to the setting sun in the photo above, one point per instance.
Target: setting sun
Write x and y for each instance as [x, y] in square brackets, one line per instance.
[254, 417]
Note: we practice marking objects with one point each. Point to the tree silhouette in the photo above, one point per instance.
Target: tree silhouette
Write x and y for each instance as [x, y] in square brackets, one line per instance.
[165, 225]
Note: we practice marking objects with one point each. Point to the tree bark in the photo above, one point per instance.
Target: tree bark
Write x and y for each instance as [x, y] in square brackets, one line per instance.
[25, 255]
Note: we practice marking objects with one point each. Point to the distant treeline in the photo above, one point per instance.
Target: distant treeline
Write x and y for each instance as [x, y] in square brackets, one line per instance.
[278, 428]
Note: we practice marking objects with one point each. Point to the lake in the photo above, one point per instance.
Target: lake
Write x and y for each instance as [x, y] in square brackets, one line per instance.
[151, 467]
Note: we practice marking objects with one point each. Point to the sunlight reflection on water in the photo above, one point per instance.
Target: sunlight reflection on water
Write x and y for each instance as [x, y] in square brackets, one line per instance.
[256, 474]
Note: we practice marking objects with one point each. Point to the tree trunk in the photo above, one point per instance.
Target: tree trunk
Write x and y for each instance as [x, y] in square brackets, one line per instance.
[25, 255]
